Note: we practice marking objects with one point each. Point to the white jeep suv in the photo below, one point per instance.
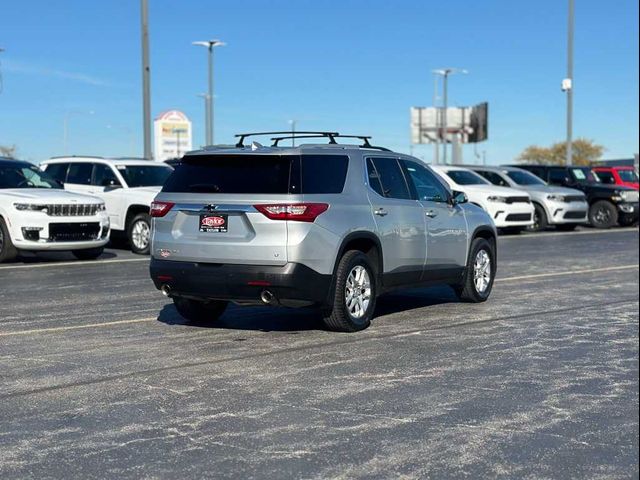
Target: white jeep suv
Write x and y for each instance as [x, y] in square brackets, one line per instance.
[510, 209]
[127, 186]
[36, 214]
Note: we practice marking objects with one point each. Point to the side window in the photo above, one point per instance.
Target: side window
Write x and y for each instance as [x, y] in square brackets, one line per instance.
[58, 171]
[103, 176]
[606, 177]
[558, 176]
[391, 178]
[374, 178]
[493, 177]
[427, 186]
[80, 173]
[324, 173]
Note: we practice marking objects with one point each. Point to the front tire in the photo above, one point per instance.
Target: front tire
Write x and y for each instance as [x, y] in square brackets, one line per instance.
[540, 221]
[603, 214]
[200, 311]
[7, 251]
[139, 234]
[88, 254]
[355, 294]
[480, 273]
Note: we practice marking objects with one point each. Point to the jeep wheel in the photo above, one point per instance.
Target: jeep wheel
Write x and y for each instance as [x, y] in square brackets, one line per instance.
[139, 234]
[199, 311]
[480, 273]
[355, 294]
[540, 221]
[88, 254]
[7, 250]
[603, 214]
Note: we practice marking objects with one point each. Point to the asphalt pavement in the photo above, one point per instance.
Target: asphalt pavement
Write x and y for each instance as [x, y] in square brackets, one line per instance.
[100, 377]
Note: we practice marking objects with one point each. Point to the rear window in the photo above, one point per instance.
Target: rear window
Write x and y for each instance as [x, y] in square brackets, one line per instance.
[259, 174]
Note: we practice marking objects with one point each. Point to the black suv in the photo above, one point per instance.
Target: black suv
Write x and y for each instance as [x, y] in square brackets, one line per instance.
[608, 204]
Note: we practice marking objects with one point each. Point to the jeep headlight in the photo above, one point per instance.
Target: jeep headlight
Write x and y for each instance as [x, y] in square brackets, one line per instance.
[30, 207]
[556, 198]
[497, 198]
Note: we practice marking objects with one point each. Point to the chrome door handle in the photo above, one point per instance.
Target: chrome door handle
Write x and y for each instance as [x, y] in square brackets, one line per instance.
[381, 212]
[431, 214]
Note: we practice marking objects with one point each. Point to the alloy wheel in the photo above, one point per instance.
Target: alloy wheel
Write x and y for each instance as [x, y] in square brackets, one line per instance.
[482, 271]
[357, 293]
[140, 234]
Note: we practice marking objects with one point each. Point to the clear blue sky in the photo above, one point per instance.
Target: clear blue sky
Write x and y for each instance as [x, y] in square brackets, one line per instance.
[350, 65]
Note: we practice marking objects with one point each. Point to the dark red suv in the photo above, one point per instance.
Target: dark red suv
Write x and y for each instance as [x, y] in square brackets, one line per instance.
[625, 176]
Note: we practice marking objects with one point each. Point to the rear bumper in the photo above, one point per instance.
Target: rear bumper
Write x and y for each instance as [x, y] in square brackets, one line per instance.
[293, 285]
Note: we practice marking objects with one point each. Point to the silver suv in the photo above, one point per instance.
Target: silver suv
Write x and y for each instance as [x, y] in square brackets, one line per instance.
[327, 225]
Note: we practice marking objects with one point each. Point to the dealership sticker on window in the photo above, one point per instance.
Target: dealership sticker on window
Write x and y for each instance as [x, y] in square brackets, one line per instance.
[213, 223]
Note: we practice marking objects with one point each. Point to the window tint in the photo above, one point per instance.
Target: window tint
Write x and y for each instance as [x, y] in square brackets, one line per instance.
[606, 177]
[80, 173]
[427, 186]
[144, 175]
[540, 172]
[391, 178]
[626, 176]
[374, 178]
[262, 174]
[324, 173]
[58, 171]
[103, 176]
[522, 177]
[493, 177]
[466, 177]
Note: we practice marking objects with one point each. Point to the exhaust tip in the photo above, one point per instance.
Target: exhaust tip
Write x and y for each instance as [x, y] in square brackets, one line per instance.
[267, 297]
[166, 290]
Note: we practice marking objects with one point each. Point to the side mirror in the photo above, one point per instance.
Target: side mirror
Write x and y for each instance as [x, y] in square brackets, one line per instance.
[459, 197]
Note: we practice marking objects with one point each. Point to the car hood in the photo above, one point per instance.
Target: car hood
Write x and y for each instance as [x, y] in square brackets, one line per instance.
[46, 195]
[552, 189]
[494, 190]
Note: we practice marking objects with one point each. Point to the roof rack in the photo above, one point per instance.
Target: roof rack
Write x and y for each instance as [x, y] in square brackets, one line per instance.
[77, 156]
[289, 135]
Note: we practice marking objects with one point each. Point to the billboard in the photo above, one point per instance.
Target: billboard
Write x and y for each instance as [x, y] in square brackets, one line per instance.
[464, 124]
[172, 135]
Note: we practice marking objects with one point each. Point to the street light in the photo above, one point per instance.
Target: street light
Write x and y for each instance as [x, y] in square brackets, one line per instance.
[567, 84]
[445, 72]
[205, 96]
[210, 44]
[66, 126]
[293, 132]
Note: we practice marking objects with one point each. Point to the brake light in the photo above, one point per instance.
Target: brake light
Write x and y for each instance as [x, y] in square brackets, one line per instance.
[299, 212]
[160, 209]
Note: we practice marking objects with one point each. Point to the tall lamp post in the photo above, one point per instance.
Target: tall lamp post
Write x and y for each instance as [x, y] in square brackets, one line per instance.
[293, 132]
[567, 84]
[210, 45]
[445, 72]
[146, 81]
[65, 135]
[205, 96]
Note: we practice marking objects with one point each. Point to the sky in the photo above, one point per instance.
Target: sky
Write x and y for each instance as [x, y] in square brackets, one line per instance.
[354, 66]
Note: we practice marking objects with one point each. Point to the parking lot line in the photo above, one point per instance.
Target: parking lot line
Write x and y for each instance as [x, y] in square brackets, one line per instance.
[75, 264]
[558, 234]
[76, 327]
[568, 272]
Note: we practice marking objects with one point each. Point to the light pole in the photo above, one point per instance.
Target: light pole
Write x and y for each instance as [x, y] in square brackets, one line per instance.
[567, 84]
[293, 132]
[436, 146]
[205, 96]
[65, 135]
[210, 44]
[146, 81]
[445, 72]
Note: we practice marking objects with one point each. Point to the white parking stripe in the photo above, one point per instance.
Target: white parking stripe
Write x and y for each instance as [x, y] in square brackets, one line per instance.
[78, 263]
[568, 272]
[578, 232]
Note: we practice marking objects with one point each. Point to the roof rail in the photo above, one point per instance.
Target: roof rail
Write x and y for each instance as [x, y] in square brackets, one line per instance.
[332, 139]
[76, 156]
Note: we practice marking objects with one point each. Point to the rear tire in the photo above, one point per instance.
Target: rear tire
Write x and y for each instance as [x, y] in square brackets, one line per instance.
[88, 254]
[540, 221]
[603, 214]
[476, 285]
[355, 294]
[139, 234]
[200, 311]
[7, 251]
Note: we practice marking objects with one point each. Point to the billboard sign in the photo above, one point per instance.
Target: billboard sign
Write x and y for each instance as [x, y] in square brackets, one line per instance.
[464, 124]
[172, 134]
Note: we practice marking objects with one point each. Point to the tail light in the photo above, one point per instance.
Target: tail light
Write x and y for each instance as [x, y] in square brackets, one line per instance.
[160, 209]
[299, 212]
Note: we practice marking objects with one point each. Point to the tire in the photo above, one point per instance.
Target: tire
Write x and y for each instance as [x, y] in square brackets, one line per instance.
[468, 291]
[567, 227]
[350, 316]
[540, 221]
[7, 251]
[603, 214]
[88, 254]
[199, 311]
[139, 234]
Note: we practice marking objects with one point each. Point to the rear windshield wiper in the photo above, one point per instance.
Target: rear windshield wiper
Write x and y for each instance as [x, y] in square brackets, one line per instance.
[205, 187]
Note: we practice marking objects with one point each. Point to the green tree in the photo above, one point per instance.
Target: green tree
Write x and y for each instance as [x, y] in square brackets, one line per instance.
[585, 152]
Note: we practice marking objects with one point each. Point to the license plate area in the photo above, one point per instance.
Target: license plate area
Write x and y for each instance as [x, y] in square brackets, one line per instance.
[213, 223]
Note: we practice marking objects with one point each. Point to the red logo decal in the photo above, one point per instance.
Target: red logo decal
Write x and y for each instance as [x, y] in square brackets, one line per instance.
[213, 221]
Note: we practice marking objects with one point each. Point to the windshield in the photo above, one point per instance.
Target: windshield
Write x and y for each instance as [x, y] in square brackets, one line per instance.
[465, 177]
[524, 178]
[628, 176]
[21, 176]
[584, 175]
[144, 175]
